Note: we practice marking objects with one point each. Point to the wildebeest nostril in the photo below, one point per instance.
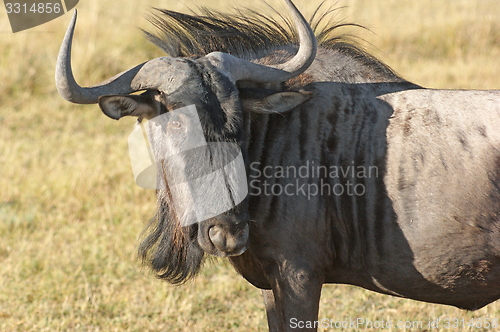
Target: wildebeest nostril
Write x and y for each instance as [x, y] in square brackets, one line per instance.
[226, 241]
[217, 237]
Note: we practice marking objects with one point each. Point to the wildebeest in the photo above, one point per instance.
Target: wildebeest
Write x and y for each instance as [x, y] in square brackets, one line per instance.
[355, 175]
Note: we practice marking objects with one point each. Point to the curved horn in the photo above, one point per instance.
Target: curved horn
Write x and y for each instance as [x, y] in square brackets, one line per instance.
[240, 69]
[144, 76]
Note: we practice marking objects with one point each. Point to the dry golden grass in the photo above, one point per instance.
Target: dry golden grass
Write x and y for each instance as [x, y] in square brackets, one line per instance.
[70, 212]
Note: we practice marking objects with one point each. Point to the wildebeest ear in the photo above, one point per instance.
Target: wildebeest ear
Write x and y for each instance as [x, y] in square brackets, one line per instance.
[278, 102]
[142, 106]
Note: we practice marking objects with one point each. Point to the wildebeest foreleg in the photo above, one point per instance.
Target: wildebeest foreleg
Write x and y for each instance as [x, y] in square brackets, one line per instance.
[272, 315]
[293, 302]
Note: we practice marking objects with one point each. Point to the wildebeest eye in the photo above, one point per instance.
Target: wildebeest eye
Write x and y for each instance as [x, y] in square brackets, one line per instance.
[174, 124]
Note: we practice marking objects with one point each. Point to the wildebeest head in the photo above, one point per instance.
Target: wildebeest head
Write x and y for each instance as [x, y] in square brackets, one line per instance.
[209, 83]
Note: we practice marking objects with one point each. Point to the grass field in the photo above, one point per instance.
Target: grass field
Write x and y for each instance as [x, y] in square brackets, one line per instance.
[70, 213]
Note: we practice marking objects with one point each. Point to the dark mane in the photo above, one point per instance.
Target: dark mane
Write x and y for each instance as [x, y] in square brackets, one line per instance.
[250, 35]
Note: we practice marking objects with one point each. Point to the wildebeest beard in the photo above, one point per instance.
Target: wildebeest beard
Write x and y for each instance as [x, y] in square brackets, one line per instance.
[171, 250]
